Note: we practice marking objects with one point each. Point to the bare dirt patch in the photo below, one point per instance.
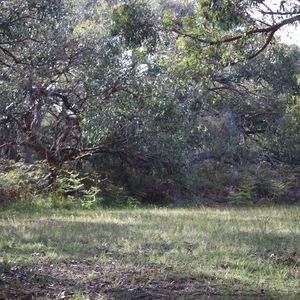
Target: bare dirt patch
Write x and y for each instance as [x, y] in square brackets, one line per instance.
[92, 280]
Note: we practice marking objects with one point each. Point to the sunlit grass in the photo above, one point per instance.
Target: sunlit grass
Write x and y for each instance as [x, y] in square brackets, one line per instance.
[235, 249]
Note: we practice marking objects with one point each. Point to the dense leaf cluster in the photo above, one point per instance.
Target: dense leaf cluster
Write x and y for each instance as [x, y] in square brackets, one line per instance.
[150, 95]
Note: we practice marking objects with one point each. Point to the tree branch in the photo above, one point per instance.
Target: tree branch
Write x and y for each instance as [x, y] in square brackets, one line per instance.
[269, 29]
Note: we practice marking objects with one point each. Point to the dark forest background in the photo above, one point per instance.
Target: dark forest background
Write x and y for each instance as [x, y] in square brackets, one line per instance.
[132, 102]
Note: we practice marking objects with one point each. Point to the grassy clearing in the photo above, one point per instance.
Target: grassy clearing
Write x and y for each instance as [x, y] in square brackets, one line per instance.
[238, 253]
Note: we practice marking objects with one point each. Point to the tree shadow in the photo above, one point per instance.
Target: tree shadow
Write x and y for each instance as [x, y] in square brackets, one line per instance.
[283, 248]
[87, 265]
[133, 283]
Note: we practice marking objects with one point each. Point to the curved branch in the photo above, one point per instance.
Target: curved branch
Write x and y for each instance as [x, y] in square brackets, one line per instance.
[268, 41]
[269, 29]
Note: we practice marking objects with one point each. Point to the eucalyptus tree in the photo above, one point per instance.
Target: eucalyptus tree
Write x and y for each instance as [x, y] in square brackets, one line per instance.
[57, 63]
[115, 79]
[81, 79]
[231, 31]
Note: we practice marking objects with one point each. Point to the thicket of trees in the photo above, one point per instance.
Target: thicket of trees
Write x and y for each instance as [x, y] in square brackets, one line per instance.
[166, 99]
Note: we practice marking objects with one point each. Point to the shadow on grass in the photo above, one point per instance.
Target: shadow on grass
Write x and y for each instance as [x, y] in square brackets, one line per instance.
[91, 260]
[110, 281]
[268, 240]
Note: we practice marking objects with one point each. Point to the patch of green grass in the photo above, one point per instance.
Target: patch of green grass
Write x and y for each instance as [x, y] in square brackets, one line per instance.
[232, 251]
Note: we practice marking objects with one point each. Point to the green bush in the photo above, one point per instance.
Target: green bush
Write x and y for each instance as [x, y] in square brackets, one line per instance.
[242, 184]
[115, 196]
[71, 189]
[22, 181]
[243, 195]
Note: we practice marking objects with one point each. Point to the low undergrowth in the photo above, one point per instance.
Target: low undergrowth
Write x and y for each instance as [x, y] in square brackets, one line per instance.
[211, 182]
[219, 253]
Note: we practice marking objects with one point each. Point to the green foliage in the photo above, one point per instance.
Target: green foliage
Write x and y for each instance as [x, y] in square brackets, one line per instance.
[243, 184]
[116, 196]
[134, 23]
[157, 105]
[243, 195]
[279, 189]
[22, 181]
[91, 198]
[286, 140]
[56, 200]
[224, 14]
[69, 189]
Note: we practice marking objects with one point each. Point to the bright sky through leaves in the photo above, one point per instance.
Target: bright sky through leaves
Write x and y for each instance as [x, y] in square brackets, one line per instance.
[289, 34]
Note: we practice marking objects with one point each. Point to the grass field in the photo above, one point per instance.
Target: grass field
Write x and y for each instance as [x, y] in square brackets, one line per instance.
[206, 253]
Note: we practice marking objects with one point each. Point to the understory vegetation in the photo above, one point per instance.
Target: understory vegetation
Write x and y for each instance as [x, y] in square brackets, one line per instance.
[208, 184]
[117, 103]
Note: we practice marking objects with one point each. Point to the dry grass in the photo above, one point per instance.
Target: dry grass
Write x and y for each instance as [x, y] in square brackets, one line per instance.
[240, 253]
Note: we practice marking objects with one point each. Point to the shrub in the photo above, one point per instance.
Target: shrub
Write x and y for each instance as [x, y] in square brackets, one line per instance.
[116, 196]
[242, 196]
[70, 190]
[22, 181]
[243, 183]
